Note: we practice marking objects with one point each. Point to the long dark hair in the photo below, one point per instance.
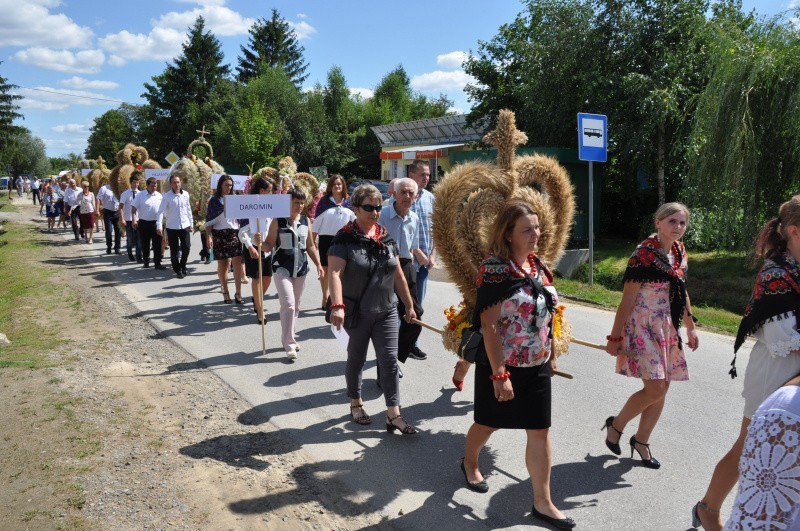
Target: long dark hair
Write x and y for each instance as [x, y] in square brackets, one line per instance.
[221, 183]
[262, 183]
[332, 181]
[771, 241]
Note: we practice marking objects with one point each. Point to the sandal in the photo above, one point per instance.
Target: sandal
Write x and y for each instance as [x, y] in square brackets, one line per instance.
[226, 297]
[238, 298]
[362, 419]
[391, 426]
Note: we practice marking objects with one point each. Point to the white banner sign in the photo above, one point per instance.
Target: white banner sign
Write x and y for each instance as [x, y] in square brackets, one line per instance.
[238, 181]
[85, 171]
[161, 175]
[257, 206]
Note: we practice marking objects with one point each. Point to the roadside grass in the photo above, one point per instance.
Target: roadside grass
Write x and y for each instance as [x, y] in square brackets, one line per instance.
[719, 283]
[46, 469]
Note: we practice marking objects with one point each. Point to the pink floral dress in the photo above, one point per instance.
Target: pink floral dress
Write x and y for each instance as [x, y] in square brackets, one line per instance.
[524, 326]
[651, 338]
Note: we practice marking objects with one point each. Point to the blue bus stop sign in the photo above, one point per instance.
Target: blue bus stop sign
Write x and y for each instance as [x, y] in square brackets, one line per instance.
[592, 137]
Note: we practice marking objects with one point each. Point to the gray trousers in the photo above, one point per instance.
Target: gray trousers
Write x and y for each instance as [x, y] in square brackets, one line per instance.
[382, 329]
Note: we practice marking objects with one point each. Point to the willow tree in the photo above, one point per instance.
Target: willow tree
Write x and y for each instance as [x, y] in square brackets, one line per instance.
[745, 151]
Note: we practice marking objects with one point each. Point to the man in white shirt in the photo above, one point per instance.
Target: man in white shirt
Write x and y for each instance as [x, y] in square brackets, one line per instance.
[125, 200]
[72, 208]
[177, 209]
[144, 210]
[106, 198]
[35, 185]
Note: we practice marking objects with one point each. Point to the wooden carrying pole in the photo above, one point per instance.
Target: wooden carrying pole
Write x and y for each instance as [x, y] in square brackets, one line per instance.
[439, 330]
[598, 346]
[261, 292]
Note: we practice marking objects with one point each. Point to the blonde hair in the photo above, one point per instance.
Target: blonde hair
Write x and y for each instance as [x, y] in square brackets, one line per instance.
[668, 209]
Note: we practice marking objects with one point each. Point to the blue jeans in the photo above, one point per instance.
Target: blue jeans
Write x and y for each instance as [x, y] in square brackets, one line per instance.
[132, 241]
[422, 284]
[110, 218]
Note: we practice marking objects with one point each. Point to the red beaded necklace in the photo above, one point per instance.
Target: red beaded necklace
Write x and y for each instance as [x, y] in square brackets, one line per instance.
[531, 261]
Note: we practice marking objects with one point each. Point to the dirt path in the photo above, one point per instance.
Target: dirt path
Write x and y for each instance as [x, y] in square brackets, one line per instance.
[127, 431]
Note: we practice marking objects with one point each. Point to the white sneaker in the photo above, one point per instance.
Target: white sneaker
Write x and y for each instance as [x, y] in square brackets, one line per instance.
[292, 354]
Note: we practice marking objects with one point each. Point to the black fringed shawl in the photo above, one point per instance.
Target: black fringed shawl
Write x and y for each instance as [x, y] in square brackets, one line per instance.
[650, 263]
[377, 247]
[776, 295]
[498, 281]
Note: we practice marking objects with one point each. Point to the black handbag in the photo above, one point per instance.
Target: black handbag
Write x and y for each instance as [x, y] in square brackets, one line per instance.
[472, 347]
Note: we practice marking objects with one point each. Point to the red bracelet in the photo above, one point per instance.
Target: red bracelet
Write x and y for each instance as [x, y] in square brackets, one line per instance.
[335, 306]
[614, 339]
[505, 376]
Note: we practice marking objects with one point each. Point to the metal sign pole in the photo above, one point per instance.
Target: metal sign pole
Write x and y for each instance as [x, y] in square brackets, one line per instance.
[591, 223]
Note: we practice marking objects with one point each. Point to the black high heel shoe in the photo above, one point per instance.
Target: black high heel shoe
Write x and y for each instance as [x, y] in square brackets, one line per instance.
[608, 426]
[391, 426]
[648, 463]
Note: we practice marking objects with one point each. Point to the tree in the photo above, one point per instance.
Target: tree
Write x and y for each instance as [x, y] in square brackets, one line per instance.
[745, 149]
[197, 73]
[110, 132]
[29, 155]
[8, 114]
[272, 44]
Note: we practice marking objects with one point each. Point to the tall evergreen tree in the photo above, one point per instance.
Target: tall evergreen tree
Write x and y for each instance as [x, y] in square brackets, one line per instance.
[272, 44]
[192, 80]
[8, 113]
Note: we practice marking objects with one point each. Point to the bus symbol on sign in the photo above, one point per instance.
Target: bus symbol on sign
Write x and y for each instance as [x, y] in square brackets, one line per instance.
[587, 131]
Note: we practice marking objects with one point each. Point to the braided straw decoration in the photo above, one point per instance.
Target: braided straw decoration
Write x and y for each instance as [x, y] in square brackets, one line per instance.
[471, 195]
[310, 185]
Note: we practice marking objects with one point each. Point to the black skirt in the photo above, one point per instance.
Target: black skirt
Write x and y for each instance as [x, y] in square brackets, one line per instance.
[530, 409]
[251, 264]
[323, 244]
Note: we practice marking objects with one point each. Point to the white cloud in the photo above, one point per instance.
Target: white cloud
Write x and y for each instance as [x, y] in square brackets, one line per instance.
[456, 110]
[61, 146]
[83, 62]
[303, 30]
[83, 83]
[50, 99]
[363, 92]
[220, 20]
[72, 128]
[30, 23]
[302, 16]
[439, 80]
[159, 44]
[116, 60]
[203, 2]
[452, 59]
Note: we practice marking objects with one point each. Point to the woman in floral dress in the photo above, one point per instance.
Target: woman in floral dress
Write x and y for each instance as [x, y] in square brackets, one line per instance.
[514, 310]
[654, 303]
[771, 317]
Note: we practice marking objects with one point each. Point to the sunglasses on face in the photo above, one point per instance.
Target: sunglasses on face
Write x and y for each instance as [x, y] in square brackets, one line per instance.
[371, 208]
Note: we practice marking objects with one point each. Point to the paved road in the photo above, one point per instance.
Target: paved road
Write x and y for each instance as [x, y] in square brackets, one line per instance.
[415, 481]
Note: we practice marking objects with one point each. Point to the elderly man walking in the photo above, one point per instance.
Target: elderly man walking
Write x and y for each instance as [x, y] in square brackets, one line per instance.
[420, 172]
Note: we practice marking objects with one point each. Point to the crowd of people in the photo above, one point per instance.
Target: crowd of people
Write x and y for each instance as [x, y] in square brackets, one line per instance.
[373, 257]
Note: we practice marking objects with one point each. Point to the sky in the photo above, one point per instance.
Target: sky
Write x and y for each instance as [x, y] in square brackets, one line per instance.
[75, 59]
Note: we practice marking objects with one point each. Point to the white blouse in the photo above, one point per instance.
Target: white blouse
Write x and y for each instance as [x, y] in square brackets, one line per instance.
[769, 469]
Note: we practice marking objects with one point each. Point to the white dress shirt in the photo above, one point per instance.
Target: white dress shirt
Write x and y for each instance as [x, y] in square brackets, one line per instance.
[248, 232]
[71, 196]
[125, 200]
[177, 209]
[329, 222]
[106, 197]
[146, 205]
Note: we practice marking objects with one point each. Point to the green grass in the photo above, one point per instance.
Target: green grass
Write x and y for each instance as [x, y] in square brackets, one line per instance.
[719, 283]
[27, 289]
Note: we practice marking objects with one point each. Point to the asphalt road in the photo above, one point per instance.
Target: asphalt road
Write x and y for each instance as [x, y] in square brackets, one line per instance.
[416, 481]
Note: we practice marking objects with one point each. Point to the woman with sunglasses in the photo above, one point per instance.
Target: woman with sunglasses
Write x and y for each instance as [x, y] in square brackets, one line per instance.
[364, 273]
